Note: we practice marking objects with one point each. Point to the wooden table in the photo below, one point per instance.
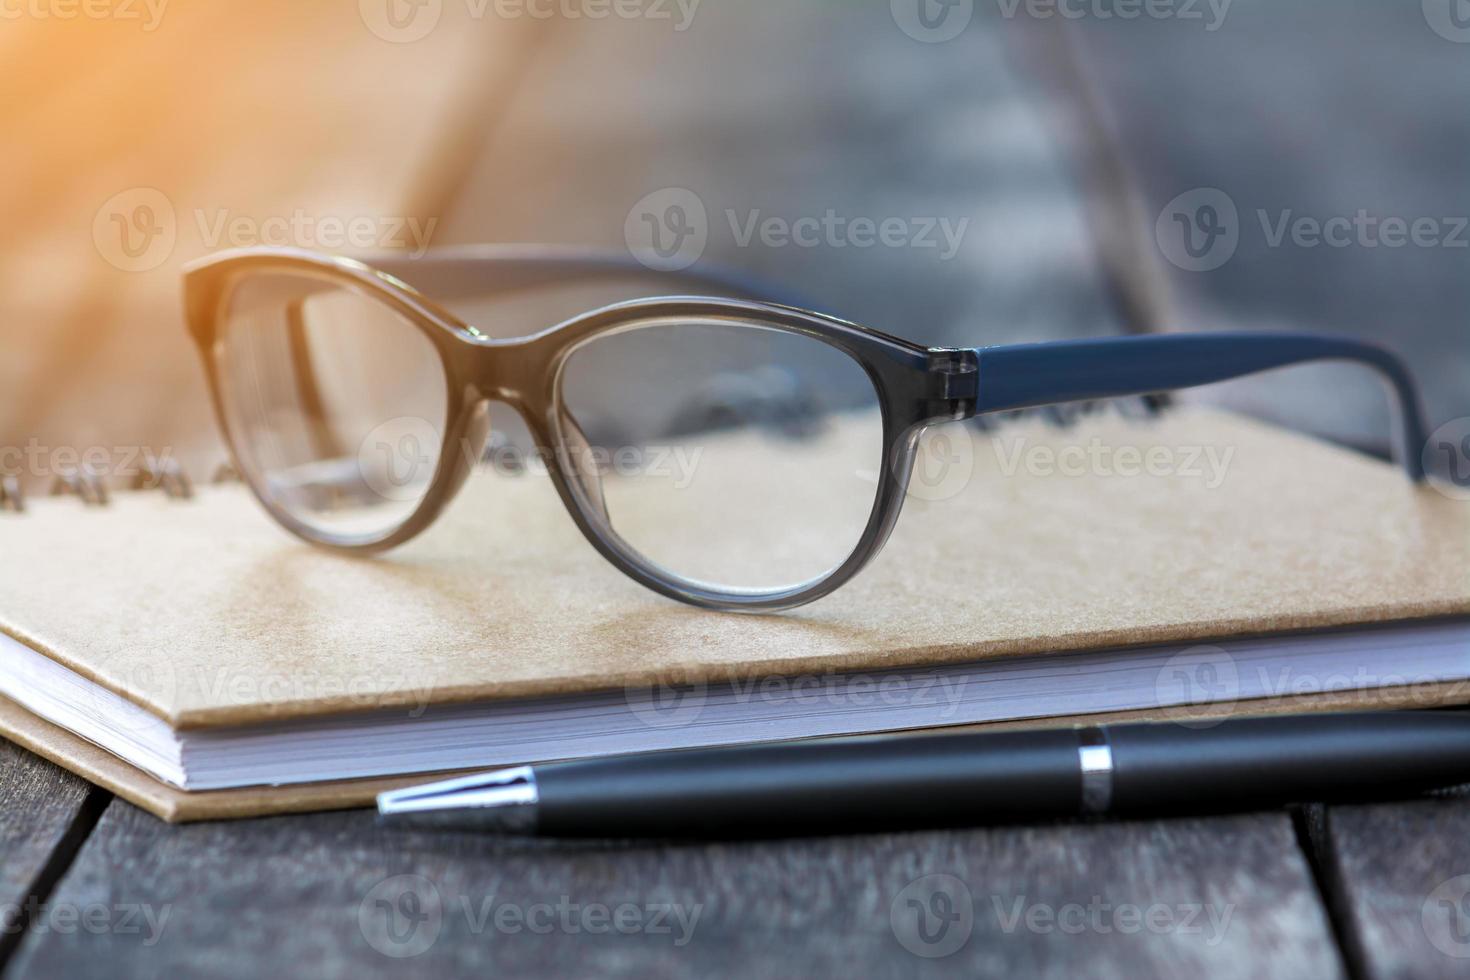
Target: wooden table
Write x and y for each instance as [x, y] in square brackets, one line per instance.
[790, 110]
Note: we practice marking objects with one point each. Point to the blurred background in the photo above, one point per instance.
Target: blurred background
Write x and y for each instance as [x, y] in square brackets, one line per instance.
[956, 171]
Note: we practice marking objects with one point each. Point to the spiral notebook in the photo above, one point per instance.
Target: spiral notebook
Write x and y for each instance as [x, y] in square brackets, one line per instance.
[182, 651]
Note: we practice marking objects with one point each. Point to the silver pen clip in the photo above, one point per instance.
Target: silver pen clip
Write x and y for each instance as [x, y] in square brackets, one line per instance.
[501, 800]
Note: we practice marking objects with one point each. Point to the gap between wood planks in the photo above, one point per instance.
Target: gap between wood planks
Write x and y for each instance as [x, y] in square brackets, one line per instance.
[1310, 822]
[83, 822]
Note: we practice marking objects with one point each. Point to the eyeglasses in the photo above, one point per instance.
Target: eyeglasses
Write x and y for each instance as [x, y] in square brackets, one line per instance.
[732, 454]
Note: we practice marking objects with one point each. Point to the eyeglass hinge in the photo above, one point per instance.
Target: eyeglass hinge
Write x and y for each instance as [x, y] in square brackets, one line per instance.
[955, 381]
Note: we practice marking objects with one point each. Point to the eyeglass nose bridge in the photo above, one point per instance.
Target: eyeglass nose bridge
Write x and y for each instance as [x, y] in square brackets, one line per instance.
[514, 373]
[509, 371]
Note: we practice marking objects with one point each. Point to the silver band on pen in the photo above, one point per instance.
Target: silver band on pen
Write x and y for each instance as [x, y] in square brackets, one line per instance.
[1096, 760]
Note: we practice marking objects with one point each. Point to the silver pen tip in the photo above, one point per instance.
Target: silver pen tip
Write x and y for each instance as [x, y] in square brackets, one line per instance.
[501, 800]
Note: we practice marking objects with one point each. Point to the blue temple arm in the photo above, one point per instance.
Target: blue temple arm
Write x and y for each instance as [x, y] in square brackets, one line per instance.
[1026, 375]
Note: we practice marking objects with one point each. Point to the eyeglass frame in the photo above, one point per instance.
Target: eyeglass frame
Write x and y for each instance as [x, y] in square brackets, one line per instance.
[916, 386]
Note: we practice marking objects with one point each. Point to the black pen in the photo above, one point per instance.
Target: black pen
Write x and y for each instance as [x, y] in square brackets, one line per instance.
[959, 779]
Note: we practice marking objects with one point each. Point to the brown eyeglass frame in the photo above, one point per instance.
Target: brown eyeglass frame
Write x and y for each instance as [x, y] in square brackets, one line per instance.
[917, 386]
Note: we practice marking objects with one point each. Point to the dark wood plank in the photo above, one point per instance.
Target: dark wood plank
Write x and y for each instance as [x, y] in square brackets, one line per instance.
[1225, 897]
[1400, 876]
[44, 813]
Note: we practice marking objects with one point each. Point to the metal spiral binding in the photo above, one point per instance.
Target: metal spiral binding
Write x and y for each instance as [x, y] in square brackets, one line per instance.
[90, 486]
[165, 474]
[11, 498]
[87, 484]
